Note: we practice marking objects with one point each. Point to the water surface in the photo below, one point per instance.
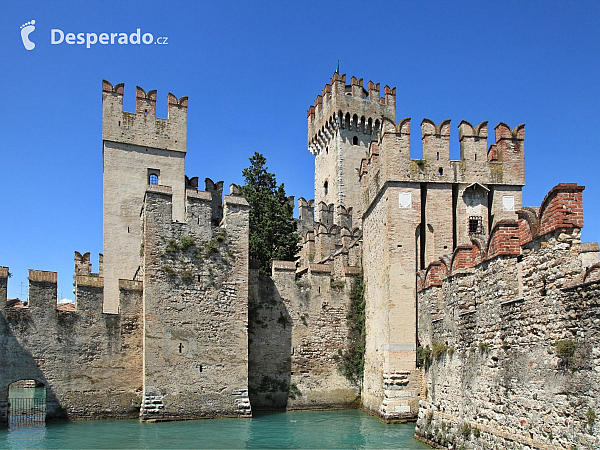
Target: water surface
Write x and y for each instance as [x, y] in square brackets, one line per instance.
[299, 429]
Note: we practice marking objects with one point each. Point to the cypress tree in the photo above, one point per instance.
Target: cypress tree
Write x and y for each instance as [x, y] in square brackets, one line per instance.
[272, 227]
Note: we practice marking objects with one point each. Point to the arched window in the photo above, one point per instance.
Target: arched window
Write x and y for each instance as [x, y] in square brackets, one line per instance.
[355, 140]
[153, 179]
[325, 187]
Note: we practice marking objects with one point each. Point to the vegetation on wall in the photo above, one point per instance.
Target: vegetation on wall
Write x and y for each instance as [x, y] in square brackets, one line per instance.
[352, 361]
[272, 228]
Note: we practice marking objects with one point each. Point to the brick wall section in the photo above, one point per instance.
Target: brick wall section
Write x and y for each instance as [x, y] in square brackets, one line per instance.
[462, 258]
[510, 152]
[436, 271]
[504, 239]
[42, 276]
[562, 208]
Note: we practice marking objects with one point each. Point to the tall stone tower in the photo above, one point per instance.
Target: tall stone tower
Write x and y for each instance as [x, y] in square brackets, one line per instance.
[138, 149]
[341, 124]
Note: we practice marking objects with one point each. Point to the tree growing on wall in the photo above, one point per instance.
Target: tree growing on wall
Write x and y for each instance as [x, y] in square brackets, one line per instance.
[353, 359]
[272, 228]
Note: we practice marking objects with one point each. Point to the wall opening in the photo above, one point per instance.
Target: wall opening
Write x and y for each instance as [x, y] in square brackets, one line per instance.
[26, 403]
[355, 140]
[153, 176]
[475, 225]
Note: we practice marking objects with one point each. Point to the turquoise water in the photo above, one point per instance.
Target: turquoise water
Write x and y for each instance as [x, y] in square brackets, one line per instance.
[302, 429]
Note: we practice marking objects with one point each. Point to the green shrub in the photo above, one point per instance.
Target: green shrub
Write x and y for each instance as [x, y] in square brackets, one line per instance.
[423, 356]
[169, 271]
[187, 276]
[352, 362]
[294, 391]
[211, 247]
[466, 430]
[186, 243]
[172, 246]
[439, 349]
[484, 347]
[591, 418]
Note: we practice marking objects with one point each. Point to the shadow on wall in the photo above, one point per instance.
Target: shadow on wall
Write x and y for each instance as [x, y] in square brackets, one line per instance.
[269, 345]
[19, 364]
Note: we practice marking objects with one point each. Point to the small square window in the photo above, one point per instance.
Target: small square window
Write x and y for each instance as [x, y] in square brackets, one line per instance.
[475, 225]
[153, 176]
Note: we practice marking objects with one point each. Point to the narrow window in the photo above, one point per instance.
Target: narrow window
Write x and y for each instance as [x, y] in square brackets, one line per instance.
[438, 156]
[440, 171]
[325, 187]
[475, 225]
[355, 140]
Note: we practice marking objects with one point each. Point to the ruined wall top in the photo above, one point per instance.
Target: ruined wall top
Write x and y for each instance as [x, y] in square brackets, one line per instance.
[143, 128]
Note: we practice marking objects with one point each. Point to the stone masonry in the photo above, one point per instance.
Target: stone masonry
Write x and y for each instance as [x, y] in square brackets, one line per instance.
[511, 336]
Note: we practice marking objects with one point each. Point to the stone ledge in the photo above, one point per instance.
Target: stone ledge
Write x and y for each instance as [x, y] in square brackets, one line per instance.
[86, 280]
[131, 285]
[235, 200]
[512, 302]
[349, 270]
[157, 188]
[42, 275]
[589, 247]
[319, 268]
[198, 195]
[284, 266]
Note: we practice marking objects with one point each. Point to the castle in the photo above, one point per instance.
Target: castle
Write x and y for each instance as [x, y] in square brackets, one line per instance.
[468, 294]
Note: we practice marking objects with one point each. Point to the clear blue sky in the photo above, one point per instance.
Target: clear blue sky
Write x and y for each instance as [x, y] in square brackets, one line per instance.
[252, 69]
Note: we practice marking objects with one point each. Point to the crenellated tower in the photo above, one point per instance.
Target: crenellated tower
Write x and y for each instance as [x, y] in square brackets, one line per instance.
[341, 123]
[138, 149]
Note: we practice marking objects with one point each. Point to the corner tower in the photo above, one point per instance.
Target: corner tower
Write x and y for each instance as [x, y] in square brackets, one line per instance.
[341, 124]
[138, 149]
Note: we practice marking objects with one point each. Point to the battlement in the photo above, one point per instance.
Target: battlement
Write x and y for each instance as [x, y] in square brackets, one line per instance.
[348, 107]
[143, 128]
[205, 210]
[388, 157]
[561, 214]
[43, 288]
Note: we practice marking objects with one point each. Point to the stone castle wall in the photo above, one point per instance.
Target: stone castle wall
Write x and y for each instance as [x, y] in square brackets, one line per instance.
[89, 362]
[512, 336]
[195, 308]
[298, 333]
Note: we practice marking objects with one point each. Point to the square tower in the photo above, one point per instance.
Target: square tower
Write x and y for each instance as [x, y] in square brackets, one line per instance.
[138, 149]
[341, 124]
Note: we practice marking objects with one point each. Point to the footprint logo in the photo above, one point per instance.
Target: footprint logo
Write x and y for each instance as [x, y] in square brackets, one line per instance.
[26, 30]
